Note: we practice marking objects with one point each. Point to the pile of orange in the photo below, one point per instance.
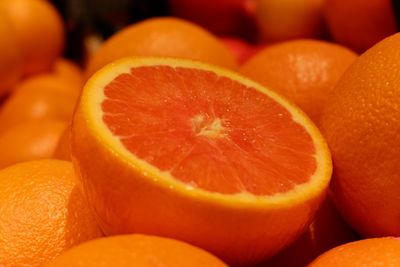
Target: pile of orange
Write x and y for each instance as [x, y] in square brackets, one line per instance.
[39, 88]
[172, 146]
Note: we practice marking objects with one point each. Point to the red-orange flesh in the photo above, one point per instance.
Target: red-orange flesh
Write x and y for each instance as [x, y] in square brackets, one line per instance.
[208, 131]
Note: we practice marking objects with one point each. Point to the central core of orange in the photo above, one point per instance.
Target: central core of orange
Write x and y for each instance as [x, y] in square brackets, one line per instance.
[213, 129]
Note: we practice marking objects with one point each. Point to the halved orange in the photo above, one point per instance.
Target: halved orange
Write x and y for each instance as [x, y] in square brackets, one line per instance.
[182, 149]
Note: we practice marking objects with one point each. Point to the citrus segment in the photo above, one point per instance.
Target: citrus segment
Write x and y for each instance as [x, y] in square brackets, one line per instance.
[195, 152]
[211, 121]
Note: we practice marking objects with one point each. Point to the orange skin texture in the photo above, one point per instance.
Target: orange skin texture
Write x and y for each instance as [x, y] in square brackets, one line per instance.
[372, 252]
[281, 20]
[167, 37]
[28, 141]
[10, 57]
[361, 125]
[360, 24]
[39, 31]
[304, 71]
[136, 250]
[42, 96]
[327, 231]
[43, 213]
[63, 148]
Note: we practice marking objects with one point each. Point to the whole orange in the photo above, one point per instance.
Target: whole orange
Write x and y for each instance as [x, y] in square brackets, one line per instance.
[167, 37]
[281, 20]
[305, 71]
[361, 125]
[39, 31]
[136, 250]
[359, 24]
[43, 213]
[10, 57]
[30, 140]
[41, 96]
[374, 252]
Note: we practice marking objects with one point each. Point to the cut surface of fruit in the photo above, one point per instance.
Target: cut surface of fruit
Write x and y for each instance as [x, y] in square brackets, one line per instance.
[186, 130]
[182, 126]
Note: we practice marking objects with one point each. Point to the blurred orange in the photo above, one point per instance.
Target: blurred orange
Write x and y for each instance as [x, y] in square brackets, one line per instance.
[240, 48]
[359, 24]
[281, 20]
[39, 31]
[63, 150]
[166, 37]
[10, 57]
[69, 70]
[222, 17]
[42, 96]
[43, 213]
[28, 141]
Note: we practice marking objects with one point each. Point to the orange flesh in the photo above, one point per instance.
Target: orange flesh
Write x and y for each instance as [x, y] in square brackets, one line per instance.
[208, 131]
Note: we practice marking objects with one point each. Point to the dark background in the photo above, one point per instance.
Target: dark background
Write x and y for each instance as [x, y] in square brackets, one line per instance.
[102, 18]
